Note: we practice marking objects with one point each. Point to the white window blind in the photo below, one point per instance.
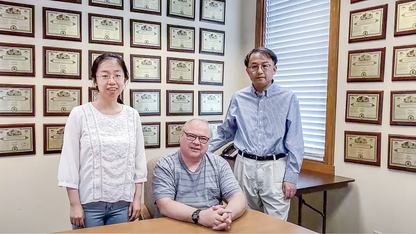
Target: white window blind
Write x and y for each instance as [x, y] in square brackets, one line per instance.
[298, 32]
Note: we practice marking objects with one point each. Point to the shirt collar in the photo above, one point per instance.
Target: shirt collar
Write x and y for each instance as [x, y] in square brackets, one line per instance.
[267, 92]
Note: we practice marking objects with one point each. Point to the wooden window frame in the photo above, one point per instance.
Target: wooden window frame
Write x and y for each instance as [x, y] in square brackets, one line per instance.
[327, 166]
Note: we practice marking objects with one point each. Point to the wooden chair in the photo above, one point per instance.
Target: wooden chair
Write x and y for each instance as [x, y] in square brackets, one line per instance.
[149, 206]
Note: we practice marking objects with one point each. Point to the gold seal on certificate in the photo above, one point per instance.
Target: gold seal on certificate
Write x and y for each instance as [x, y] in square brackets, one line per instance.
[405, 22]
[60, 100]
[173, 133]
[181, 39]
[404, 63]
[212, 11]
[61, 24]
[181, 8]
[362, 147]
[211, 41]
[151, 135]
[61, 63]
[145, 34]
[17, 60]
[53, 138]
[113, 4]
[146, 6]
[145, 101]
[210, 102]
[105, 29]
[211, 72]
[179, 102]
[402, 153]
[403, 108]
[145, 68]
[17, 139]
[180, 70]
[17, 100]
[366, 65]
[368, 24]
[17, 19]
[364, 106]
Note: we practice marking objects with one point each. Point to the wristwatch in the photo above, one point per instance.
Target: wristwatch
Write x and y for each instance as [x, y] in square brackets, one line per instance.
[195, 216]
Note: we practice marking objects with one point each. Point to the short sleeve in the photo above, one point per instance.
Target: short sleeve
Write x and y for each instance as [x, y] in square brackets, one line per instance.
[163, 179]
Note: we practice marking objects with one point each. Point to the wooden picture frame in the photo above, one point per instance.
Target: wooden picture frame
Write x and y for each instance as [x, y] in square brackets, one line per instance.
[62, 95]
[15, 136]
[404, 63]
[62, 18]
[173, 133]
[62, 63]
[17, 100]
[211, 41]
[180, 70]
[145, 40]
[362, 147]
[70, 1]
[364, 106]
[179, 102]
[402, 26]
[105, 25]
[145, 68]
[210, 102]
[146, 101]
[366, 65]
[103, 4]
[153, 7]
[151, 134]
[376, 15]
[401, 153]
[211, 72]
[212, 11]
[21, 59]
[53, 138]
[181, 38]
[180, 9]
[93, 54]
[18, 12]
[402, 108]
[355, 1]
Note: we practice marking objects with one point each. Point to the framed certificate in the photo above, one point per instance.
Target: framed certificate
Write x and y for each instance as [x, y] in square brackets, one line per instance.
[53, 138]
[212, 11]
[405, 20]
[213, 126]
[105, 29]
[93, 54]
[113, 4]
[145, 34]
[362, 147]
[151, 135]
[17, 139]
[59, 100]
[181, 8]
[62, 63]
[145, 101]
[181, 38]
[180, 71]
[17, 19]
[354, 1]
[179, 102]
[404, 63]
[210, 102]
[146, 6]
[145, 68]
[211, 41]
[211, 72]
[364, 107]
[173, 133]
[366, 65]
[62, 24]
[17, 100]
[71, 1]
[17, 60]
[402, 153]
[92, 94]
[368, 24]
[403, 108]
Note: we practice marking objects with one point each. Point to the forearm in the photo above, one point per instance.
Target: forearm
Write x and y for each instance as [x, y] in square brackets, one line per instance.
[138, 192]
[237, 205]
[175, 210]
[73, 196]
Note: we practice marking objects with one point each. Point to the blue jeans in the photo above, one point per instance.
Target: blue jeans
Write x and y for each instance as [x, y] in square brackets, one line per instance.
[104, 213]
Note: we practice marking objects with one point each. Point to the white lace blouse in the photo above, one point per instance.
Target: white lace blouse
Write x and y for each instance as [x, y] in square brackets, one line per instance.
[103, 155]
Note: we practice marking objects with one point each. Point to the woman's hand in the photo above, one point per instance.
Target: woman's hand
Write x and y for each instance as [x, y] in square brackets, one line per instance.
[76, 215]
[134, 210]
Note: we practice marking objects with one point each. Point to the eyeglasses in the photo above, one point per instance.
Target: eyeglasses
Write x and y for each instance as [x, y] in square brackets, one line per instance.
[192, 137]
[255, 68]
[115, 77]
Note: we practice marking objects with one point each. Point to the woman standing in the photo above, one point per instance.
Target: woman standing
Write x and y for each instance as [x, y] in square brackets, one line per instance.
[103, 162]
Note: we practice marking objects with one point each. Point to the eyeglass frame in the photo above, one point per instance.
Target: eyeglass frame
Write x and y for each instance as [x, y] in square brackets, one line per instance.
[255, 68]
[196, 137]
[122, 77]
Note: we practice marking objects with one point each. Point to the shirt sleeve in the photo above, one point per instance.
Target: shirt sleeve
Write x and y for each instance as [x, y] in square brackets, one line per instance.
[294, 142]
[163, 180]
[140, 175]
[226, 131]
[228, 184]
[68, 171]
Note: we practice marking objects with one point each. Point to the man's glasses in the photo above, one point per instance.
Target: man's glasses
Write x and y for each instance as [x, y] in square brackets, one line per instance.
[255, 68]
[192, 137]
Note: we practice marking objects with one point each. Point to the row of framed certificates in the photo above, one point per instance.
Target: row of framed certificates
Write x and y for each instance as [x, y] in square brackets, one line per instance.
[19, 139]
[366, 107]
[19, 100]
[370, 23]
[19, 60]
[365, 148]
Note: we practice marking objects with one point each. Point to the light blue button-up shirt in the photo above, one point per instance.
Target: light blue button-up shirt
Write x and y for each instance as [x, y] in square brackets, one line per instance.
[263, 124]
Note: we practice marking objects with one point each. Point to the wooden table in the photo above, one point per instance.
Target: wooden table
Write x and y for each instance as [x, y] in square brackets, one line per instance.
[251, 222]
[310, 182]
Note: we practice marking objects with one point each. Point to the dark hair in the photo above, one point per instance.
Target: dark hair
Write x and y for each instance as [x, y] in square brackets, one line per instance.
[102, 58]
[263, 51]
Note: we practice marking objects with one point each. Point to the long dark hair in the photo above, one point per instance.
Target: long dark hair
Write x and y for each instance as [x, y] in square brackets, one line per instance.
[102, 58]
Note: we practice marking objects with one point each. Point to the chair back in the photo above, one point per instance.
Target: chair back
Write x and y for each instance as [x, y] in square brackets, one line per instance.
[148, 196]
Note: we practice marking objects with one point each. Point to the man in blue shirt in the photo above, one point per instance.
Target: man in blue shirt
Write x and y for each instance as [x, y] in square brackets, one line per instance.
[264, 122]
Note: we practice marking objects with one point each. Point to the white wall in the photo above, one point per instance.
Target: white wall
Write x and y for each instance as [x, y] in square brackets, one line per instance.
[30, 200]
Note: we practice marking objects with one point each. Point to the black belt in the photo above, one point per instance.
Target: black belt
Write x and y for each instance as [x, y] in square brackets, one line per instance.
[261, 158]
